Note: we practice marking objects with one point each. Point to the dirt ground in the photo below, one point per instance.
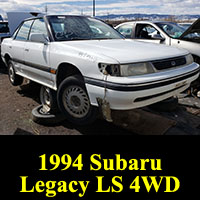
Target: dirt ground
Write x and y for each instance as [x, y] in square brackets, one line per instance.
[16, 104]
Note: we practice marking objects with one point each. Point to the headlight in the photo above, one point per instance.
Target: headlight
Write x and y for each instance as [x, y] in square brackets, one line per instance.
[189, 59]
[127, 70]
[112, 69]
[136, 69]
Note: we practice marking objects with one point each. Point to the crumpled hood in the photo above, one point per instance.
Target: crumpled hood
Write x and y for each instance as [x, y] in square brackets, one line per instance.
[126, 51]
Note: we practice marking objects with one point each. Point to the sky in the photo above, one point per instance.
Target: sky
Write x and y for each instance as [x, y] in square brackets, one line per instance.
[103, 7]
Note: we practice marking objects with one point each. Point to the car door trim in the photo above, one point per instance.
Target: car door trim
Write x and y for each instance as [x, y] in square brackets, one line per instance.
[36, 66]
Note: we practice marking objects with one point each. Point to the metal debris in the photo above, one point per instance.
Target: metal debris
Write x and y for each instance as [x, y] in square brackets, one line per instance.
[190, 101]
[104, 107]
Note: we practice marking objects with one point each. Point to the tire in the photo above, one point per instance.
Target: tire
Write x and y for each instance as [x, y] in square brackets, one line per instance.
[48, 99]
[14, 79]
[41, 117]
[74, 103]
[167, 105]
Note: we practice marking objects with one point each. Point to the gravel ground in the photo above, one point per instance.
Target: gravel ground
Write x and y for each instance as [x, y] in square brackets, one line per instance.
[16, 104]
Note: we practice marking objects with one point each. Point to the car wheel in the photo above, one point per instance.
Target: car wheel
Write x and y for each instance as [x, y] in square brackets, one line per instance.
[40, 116]
[167, 105]
[48, 99]
[13, 77]
[74, 103]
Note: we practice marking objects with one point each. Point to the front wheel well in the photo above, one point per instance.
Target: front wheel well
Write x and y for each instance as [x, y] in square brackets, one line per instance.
[65, 70]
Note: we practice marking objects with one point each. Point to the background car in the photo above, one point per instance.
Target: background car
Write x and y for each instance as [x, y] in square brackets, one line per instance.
[4, 32]
[4, 29]
[168, 33]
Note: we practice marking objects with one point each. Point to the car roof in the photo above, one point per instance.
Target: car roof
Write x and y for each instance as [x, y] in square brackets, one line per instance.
[41, 16]
[146, 21]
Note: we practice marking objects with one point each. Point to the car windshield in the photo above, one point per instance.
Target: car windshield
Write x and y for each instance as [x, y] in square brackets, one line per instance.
[172, 29]
[185, 26]
[67, 28]
[4, 28]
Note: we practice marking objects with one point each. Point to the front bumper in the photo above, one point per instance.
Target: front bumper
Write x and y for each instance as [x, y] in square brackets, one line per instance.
[135, 92]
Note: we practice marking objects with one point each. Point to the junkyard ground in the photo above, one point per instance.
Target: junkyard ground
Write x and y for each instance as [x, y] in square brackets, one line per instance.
[16, 104]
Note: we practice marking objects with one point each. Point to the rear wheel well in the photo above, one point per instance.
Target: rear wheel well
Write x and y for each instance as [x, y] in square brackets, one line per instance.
[7, 58]
[65, 70]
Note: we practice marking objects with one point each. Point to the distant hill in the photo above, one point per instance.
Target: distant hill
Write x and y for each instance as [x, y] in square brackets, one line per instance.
[149, 17]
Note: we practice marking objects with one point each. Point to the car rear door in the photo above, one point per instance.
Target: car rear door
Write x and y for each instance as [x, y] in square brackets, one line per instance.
[36, 56]
[17, 45]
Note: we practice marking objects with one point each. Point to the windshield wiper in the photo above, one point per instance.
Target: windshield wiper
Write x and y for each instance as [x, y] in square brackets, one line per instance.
[78, 39]
[101, 38]
[74, 39]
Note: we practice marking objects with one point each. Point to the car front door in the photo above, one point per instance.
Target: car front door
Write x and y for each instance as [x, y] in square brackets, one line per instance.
[36, 56]
[17, 45]
[148, 33]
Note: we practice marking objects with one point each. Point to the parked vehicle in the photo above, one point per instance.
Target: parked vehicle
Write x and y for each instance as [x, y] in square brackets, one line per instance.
[185, 25]
[168, 33]
[4, 30]
[82, 64]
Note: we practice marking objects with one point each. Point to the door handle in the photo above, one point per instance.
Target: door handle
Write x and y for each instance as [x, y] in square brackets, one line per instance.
[27, 50]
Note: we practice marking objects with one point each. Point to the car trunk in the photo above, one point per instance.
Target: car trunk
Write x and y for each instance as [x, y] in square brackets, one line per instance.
[15, 18]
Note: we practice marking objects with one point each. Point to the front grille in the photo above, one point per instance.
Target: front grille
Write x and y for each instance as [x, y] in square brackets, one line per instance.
[169, 63]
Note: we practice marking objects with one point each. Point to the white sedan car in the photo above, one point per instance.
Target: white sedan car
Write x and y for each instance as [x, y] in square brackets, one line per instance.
[162, 32]
[80, 61]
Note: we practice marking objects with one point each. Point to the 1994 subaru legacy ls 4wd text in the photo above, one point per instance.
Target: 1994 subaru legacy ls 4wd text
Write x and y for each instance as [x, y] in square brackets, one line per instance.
[80, 61]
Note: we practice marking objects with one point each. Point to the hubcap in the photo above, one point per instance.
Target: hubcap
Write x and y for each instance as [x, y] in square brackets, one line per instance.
[45, 99]
[11, 74]
[76, 102]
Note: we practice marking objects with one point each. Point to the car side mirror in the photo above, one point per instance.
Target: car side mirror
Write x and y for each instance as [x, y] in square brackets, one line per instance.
[157, 37]
[38, 37]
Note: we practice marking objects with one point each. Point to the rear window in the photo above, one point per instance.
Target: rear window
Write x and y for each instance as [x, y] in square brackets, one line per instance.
[4, 28]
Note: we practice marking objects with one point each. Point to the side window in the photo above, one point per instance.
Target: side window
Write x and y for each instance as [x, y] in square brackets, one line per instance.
[145, 31]
[15, 33]
[126, 30]
[39, 27]
[24, 31]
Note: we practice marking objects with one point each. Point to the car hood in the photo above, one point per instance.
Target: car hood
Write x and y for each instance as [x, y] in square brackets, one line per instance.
[125, 50]
[194, 28]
